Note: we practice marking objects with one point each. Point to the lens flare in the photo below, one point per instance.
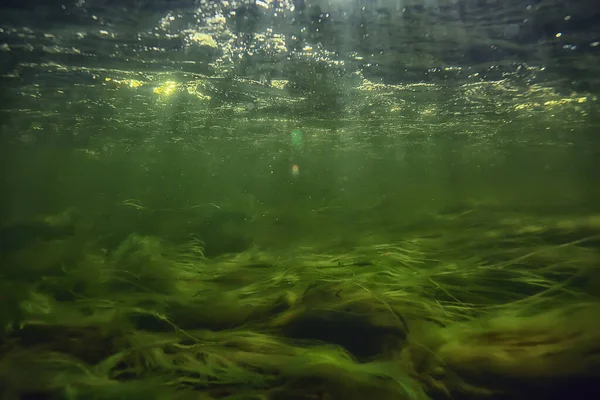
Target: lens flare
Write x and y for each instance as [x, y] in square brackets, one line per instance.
[295, 170]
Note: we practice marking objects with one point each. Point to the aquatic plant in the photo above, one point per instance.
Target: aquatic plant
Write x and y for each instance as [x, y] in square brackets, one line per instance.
[455, 314]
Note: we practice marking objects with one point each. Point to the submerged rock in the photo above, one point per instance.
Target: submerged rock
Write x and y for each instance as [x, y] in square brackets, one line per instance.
[362, 325]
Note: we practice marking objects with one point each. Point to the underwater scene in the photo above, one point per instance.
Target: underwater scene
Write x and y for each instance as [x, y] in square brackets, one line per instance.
[299, 199]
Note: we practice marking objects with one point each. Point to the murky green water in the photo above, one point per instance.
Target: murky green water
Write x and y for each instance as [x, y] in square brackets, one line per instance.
[299, 200]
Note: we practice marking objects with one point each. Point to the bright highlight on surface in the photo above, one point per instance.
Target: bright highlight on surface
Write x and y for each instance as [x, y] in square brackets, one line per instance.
[166, 89]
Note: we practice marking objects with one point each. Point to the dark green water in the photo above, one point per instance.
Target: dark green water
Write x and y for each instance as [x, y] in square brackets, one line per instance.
[353, 175]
